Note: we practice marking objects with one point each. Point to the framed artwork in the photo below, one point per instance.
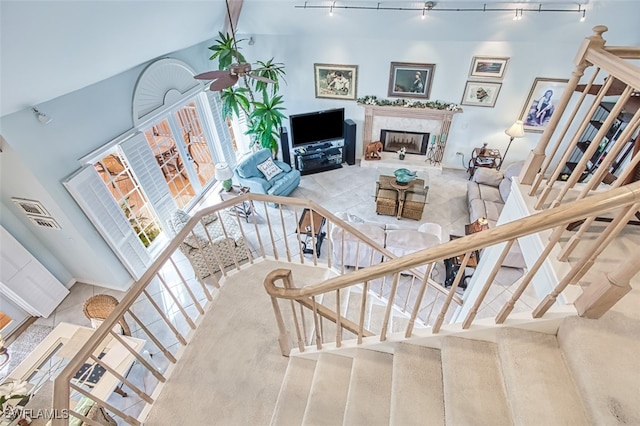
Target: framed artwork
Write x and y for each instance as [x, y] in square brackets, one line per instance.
[408, 80]
[541, 103]
[487, 67]
[336, 81]
[481, 93]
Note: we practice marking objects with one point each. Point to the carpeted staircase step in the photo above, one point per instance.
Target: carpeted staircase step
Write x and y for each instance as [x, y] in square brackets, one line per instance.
[540, 388]
[474, 392]
[416, 389]
[352, 311]
[294, 393]
[603, 358]
[328, 395]
[369, 389]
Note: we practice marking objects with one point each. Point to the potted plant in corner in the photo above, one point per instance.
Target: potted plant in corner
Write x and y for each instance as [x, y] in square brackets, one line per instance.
[258, 100]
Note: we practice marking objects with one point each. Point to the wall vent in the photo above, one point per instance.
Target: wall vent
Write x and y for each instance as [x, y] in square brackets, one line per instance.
[44, 222]
[36, 212]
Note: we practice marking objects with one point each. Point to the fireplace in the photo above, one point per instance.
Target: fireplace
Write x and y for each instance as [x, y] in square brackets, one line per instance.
[412, 142]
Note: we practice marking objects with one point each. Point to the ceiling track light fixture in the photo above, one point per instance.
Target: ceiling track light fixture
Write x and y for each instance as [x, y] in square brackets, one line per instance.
[41, 116]
[584, 15]
[430, 6]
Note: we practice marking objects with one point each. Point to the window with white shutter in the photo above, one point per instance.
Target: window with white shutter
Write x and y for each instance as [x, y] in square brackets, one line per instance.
[92, 195]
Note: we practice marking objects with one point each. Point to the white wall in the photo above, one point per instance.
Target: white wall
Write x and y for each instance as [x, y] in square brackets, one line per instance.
[41, 157]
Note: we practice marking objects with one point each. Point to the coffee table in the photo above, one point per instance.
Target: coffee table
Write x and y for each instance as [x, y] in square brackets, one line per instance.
[408, 199]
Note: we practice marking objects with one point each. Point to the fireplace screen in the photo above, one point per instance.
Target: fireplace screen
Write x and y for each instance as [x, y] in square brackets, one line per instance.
[413, 142]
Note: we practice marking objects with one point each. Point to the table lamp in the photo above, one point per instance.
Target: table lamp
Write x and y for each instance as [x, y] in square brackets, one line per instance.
[515, 131]
[224, 175]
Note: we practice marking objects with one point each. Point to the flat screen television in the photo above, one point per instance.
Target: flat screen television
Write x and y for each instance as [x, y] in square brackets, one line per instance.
[319, 126]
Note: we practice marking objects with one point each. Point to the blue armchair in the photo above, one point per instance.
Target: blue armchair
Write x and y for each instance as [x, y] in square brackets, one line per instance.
[248, 174]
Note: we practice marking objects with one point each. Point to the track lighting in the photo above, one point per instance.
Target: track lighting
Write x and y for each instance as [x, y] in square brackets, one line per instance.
[427, 6]
[583, 17]
[41, 116]
[430, 6]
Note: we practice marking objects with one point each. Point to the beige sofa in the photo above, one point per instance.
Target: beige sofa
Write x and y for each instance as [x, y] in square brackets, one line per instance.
[398, 239]
[204, 255]
[486, 194]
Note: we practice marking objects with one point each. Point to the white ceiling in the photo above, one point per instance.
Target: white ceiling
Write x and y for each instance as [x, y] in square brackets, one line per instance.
[53, 47]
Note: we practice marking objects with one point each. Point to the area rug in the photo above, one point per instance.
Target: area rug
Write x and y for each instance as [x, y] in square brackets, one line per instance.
[23, 346]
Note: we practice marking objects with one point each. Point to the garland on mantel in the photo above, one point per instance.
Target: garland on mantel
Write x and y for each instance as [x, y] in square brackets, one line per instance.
[373, 100]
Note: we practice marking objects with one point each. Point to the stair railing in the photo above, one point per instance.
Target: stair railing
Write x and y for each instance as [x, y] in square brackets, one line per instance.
[626, 199]
[554, 185]
[180, 295]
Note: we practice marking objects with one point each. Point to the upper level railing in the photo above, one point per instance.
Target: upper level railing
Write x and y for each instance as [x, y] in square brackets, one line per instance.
[599, 294]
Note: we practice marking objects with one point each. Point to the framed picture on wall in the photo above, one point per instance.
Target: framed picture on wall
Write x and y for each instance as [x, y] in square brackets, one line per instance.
[541, 103]
[336, 81]
[408, 80]
[486, 67]
[481, 93]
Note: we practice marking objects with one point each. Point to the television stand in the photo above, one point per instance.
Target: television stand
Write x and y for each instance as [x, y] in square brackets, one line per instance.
[318, 158]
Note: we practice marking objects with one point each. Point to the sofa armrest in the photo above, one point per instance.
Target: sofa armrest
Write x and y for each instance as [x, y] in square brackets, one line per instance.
[284, 166]
[486, 176]
[256, 185]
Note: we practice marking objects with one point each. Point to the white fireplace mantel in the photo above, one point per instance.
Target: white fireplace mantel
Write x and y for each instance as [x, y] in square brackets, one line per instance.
[437, 121]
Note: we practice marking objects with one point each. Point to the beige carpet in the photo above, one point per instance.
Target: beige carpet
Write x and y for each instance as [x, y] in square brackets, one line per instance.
[230, 374]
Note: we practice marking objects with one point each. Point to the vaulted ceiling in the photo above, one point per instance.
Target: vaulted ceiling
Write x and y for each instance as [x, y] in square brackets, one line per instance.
[53, 47]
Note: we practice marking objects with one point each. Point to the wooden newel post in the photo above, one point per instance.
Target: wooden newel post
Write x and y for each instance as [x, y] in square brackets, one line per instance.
[537, 155]
[284, 339]
[599, 297]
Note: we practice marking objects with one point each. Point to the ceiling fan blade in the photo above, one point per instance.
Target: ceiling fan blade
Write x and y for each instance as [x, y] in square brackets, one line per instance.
[211, 75]
[260, 78]
[223, 82]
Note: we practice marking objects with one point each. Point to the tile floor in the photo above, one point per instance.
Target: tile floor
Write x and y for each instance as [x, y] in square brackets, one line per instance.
[347, 189]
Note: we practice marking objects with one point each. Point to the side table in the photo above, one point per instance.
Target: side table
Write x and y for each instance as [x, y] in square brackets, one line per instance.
[484, 157]
[242, 210]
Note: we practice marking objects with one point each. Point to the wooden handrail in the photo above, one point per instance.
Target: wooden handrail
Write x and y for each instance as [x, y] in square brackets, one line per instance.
[558, 216]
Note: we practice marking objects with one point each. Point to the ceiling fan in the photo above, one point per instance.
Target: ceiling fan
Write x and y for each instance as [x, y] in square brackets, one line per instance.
[223, 79]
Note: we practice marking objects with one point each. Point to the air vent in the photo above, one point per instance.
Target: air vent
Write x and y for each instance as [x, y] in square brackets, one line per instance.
[36, 213]
[44, 222]
[31, 207]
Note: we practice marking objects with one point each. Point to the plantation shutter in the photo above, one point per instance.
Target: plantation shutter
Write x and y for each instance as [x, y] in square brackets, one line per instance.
[221, 128]
[103, 211]
[147, 172]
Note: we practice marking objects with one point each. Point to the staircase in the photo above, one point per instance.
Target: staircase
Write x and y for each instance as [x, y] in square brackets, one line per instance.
[587, 374]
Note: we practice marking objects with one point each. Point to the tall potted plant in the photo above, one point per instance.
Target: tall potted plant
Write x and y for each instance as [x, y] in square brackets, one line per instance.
[258, 100]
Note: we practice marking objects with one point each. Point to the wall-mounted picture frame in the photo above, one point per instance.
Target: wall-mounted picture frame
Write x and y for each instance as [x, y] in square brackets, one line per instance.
[31, 207]
[336, 81]
[541, 103]
[410, 80]
[488, 67]
[481, 93]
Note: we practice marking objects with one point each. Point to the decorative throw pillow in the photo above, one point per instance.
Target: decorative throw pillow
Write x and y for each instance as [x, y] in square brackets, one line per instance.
[269, 169]
[179, 219]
